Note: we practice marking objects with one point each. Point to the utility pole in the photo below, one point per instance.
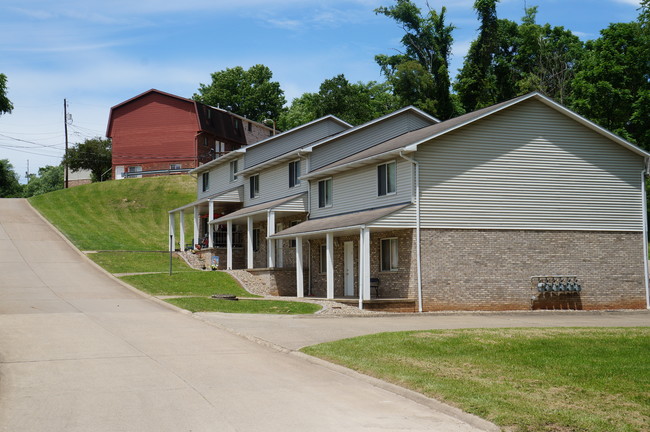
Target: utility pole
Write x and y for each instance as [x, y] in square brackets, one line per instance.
[65, 126]
[27, 172]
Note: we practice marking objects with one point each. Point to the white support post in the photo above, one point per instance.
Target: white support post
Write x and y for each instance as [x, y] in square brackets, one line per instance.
[300, 287]
[172, 230]
[249, 242]
[196, 225]
[270, 243]
[365, 233]
[329, 247]
[181, 217]
[361, 270]
[210, 217]
[229, 245]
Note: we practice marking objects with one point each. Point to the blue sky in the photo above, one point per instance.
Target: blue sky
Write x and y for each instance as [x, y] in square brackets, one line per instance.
[100, 53]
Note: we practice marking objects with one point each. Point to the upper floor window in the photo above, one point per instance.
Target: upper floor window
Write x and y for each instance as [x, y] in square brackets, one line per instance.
[325, 193]
[205, 181]
[389, 254]
[233, 170]
[386, 178]
[254, 184]
[294, 173]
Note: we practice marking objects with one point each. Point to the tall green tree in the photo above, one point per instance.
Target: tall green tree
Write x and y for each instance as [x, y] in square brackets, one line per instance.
[9, 185]
[476, 82]
[49, 179]
[354, 103]
[5, 104]
[93, 154]
[424, 63]
[249, 93]
[612, 84]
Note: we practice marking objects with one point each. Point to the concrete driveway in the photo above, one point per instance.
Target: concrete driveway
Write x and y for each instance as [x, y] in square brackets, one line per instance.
[81, 352]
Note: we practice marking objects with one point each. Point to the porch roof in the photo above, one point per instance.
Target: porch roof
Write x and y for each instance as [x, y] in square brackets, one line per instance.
[259, 208]
[338, 222]
[207, 199]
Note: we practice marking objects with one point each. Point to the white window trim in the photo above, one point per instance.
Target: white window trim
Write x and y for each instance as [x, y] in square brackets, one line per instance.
[297, 179]
[233, 173]
[331, 179]
[377, 170]
[205, 187]
[322, 259]
[251, 195]
[381, 255]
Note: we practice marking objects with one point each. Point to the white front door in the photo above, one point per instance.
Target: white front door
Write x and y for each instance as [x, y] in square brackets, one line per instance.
[348, 258]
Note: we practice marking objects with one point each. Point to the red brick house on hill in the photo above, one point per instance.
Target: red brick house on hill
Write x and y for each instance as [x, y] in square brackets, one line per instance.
[158, 133]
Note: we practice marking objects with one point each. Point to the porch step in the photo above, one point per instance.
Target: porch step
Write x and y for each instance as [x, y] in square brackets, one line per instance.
[384, 305]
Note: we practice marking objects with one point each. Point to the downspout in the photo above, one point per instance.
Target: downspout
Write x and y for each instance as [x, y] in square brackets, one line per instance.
[417, 226]
[645, 233]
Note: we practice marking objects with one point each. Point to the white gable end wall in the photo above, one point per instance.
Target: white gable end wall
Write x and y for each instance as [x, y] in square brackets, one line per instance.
[219, 180]
[529, 167]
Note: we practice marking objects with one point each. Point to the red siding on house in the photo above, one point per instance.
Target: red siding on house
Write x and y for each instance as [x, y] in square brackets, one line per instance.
[154, 129]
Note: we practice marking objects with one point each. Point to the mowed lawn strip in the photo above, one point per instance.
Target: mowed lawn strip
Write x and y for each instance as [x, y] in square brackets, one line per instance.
[188, 283]
[129, 214]
[542, 379]
[136, 262]
[203, 304]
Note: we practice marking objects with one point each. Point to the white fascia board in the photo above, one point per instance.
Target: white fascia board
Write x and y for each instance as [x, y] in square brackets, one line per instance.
[354, 164]
[218, 161]
[310, 233]
[272, 162]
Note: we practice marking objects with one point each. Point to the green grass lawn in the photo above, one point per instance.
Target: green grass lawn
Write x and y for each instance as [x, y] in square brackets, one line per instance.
[595, 380]
[203, 304]
[134, 262]
[191, 283]
[129, 214]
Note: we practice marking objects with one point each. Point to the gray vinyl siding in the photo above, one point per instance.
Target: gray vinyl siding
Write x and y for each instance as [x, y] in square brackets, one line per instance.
[278, 146]
[337, 149]
[274, 184]
[404, 218]
[530, 167]
[219, 180]
[297, 205]
[356, 190]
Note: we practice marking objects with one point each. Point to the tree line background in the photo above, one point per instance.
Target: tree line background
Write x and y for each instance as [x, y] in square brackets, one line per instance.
[606, 80]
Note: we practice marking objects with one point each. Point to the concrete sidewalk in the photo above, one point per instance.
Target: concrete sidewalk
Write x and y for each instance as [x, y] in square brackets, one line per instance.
[292, 332]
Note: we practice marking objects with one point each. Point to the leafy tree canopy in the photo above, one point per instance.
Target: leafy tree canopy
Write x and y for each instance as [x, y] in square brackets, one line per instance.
[424, 63]
[9, 186]
[93, 154]
[353, 103]
[249, 93]
[5, 104]
[49, 179]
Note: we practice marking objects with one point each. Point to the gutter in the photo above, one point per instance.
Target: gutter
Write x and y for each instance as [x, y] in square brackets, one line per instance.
[417, 227]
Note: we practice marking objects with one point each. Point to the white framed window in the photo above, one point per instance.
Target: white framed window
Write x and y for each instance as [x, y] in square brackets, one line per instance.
[205, 181]
[389, 254]
[325, 193]
[233, 170]
[175, 166]
[323, 259]
[294, 173]
[254, 185]
[386, 178]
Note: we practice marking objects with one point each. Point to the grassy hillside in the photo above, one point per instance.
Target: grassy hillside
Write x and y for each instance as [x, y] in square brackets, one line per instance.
[129, 214]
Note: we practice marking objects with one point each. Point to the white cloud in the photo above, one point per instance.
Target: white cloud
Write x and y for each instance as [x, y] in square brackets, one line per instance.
[636, 3]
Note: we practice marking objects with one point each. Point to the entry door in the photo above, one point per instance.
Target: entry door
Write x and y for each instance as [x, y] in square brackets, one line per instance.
[348, 258]
[279, 244]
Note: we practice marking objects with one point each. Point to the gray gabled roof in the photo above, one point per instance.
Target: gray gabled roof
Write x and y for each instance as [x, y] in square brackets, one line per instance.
[256, 209]
[408, 142]
[338, 222]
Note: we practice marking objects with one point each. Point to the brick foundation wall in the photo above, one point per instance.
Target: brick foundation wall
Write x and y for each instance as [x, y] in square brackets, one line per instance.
[491, 270]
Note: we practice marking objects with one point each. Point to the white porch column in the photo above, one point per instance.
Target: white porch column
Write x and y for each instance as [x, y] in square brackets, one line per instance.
[329, 247]
[300, 288]
[249, 242]
[365, 240]
[172, 230]
[361, 270]
[229, 245]
[210, 217]
[181, 217]
[196, 225]
[270, 243]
